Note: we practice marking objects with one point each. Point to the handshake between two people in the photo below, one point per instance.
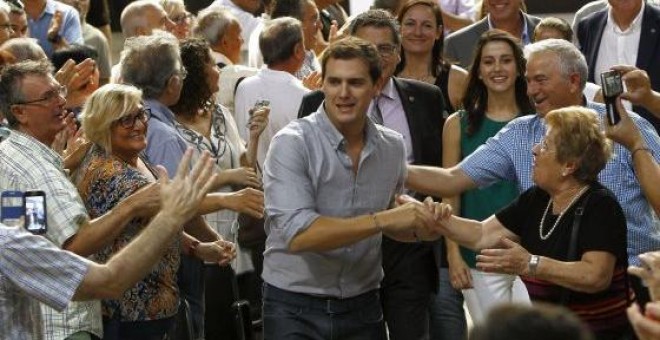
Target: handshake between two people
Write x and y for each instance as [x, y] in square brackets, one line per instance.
[414, 221]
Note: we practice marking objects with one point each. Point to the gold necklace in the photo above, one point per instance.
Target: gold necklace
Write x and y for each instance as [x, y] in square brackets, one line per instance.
[573, 200]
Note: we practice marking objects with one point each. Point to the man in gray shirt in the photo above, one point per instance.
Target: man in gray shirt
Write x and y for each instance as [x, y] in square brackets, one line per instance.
[329, 179]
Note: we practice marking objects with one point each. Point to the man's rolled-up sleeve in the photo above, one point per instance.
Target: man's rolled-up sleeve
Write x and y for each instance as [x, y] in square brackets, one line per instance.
[491, 162]
[288, 188]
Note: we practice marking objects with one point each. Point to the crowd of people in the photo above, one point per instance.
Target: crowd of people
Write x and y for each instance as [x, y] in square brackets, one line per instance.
[349, 177]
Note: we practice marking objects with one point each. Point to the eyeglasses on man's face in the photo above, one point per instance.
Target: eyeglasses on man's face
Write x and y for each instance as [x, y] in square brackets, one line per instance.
[386, 50]
[48, 97]
[128, 122]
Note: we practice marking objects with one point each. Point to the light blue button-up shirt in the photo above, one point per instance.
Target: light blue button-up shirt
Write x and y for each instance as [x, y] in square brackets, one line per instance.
[508, 155]
[165, 146]
[308, 174]
[70, 29]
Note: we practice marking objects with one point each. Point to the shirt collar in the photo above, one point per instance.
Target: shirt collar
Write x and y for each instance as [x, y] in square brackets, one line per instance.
[635, 25]
[33, 144]
[50, 8]
[337, 140]
[524, 38]
[389, 89]
[160, 111]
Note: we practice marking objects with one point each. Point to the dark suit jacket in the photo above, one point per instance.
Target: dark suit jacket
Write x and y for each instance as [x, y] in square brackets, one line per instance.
[590, 33]
[413, 265]
[460, 45]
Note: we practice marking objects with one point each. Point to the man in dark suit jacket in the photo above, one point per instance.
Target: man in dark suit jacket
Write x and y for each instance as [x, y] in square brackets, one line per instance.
[590, 33]
[459, 46]
[411, 269]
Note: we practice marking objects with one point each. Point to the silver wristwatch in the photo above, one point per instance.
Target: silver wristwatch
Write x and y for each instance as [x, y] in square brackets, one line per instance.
[533, 264]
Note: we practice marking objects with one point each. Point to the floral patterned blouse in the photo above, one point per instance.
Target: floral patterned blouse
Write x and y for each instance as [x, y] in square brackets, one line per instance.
[104, 181]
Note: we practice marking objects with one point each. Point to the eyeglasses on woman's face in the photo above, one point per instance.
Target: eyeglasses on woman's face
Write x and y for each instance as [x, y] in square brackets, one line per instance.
[128, 122]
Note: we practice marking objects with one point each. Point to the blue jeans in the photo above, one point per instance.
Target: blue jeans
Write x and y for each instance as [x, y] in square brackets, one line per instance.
[291, 316]
[447, 313]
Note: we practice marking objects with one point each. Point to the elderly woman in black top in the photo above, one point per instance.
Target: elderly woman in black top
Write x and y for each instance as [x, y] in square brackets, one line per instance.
[532, 236]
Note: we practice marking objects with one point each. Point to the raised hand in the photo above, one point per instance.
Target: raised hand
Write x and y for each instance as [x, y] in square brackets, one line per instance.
[258, 122]
[625, 132]
[313, 81]
[638, 84]
[182, 196]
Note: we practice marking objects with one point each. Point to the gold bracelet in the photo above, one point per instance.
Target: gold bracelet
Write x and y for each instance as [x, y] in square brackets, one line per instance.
[632, 153]
[376, 224]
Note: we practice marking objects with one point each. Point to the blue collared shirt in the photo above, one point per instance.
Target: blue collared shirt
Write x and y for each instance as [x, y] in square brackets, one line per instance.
[70, 29]
[164, 144]
[508, 156]
[308, 174]
[524, 38]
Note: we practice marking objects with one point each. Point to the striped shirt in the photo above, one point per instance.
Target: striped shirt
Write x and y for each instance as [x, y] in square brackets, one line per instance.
[508, 156]
[31, 270]
[27, 164]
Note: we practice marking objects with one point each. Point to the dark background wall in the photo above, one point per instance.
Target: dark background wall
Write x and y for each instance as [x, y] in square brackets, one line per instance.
[554, 6]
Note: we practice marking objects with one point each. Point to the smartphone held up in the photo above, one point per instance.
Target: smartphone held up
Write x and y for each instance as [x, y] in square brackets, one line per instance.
[612, 88]
[27, 209]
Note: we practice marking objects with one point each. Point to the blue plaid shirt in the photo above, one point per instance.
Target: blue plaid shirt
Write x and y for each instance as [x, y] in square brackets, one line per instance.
[508, 155]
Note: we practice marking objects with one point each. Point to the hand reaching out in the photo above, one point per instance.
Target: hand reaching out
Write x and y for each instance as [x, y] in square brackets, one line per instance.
[511, 258]
[182, 196]
[248, 201]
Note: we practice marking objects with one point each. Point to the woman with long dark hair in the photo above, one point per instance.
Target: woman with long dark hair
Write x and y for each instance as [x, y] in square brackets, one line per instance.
[421, 50]
[496, 93]
[208, 126]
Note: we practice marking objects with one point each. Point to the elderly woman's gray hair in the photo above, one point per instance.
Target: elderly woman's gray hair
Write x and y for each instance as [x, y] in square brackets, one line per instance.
[212, 24]
[579, 138]
[106, 105]
[148, 62]
[24, 49]
[571, 60]
[279, 38]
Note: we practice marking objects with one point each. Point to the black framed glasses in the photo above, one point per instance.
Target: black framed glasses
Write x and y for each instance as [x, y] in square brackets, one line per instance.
[128, 122]
[49, 96]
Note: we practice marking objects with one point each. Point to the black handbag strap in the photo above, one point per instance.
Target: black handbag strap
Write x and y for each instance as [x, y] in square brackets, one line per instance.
[572, 245]
[572, 251]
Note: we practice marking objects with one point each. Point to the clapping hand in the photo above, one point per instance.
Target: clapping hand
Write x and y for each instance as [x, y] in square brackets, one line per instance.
[182, 196]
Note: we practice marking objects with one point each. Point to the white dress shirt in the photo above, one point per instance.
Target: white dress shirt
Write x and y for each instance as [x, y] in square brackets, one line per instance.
[618, 46]
[285, 93]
